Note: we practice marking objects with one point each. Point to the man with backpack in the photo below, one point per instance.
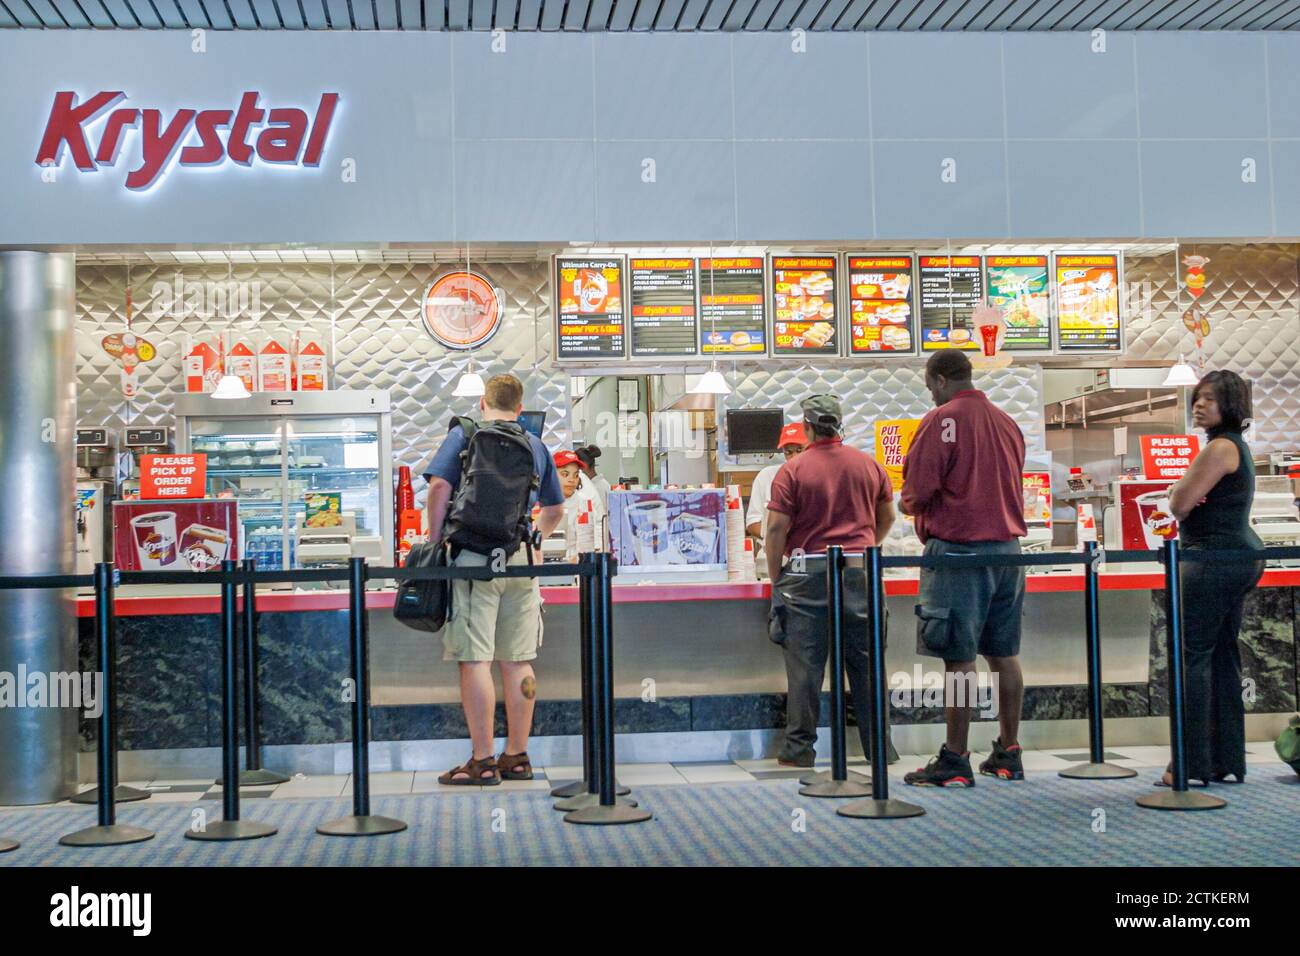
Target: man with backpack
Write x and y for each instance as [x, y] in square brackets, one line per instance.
[483, 483]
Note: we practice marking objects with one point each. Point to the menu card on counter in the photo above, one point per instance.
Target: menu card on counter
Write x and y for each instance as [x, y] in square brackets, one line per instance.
[589, 304]
[731, 306]
[880, 304]
[663, 307]
[951, 289]
[1018, 287]
[803, 299]
[1087, 303]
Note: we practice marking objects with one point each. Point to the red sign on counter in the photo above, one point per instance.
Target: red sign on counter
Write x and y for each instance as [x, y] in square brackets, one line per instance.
[1167, 457]
[173, 477]
[1144, 517]
[180, 536]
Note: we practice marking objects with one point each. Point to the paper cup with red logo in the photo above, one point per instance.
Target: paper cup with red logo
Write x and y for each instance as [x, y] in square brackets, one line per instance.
[155, 539]
[1158, 522]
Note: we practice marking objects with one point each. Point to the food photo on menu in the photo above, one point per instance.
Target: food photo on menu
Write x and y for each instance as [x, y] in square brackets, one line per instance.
[803, 297]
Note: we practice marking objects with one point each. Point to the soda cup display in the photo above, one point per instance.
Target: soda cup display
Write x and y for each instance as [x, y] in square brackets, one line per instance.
[155, 539]
[1158, 522]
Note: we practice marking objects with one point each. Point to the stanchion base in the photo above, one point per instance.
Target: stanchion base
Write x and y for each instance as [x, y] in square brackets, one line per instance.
[355, 826]
[584, 800]
[881, 810]
[258, 778]
[1180, 800]
[226, 830]
[809, 779]
[580, 786]
[7, 846]
[609, 816]
[113, 835]
[1098, 771]
[123, 794]
[836, 789]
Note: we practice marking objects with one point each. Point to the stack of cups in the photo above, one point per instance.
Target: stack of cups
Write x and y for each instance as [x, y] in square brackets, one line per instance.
[751, 571]
[736, 538]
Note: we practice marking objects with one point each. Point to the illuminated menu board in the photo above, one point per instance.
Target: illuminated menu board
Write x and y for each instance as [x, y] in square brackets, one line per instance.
[951, 289]
[731, 306]
[1018, 287]
[1087, 303]
[589, 307]
[803, 306]
[663, 307]
[880, 304]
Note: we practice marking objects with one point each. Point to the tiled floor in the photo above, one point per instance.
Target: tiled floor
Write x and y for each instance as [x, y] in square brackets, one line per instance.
[632, 774]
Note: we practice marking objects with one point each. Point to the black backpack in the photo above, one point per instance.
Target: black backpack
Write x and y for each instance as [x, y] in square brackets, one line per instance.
[492, 507]
[424, 605]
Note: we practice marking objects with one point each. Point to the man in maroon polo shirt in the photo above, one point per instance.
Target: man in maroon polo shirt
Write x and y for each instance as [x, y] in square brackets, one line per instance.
[829, 494]
[962, 485]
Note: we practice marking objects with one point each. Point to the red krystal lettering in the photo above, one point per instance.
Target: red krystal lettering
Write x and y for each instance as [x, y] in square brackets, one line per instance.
[283, 136]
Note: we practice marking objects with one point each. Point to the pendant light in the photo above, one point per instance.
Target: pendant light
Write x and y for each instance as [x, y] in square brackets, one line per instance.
[1181, 375]
[231, 387]
[471, 383]
[711, 382]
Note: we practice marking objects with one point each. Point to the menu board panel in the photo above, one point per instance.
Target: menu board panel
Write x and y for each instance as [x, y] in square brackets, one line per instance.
[1018, 287]
[1087, 303]
[663, 307]
[731, 306]
[803, 306]
[589, 307]
[951, 289]
[881, 317]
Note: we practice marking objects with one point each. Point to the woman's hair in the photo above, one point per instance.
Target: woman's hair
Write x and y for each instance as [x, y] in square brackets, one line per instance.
[1231, 394]
[588, 454]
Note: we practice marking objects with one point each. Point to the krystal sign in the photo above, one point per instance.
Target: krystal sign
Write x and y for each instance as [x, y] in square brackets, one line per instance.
[287, 137]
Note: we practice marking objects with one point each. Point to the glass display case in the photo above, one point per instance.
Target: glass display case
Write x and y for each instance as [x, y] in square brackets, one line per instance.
[312, 472]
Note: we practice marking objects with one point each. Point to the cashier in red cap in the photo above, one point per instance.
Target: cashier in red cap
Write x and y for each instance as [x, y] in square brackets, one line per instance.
[792, 441]
[579, 495]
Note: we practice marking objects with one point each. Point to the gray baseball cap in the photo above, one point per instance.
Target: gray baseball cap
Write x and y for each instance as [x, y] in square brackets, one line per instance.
[822, 410]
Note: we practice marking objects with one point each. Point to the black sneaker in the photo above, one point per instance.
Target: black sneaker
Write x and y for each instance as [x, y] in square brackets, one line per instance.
[1004, 763]
[949, 769]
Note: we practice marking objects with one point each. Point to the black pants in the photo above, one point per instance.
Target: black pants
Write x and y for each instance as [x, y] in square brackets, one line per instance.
[1213, 595]
[799, 604]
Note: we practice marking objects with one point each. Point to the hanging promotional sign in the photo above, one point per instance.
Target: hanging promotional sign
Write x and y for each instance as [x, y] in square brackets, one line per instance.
[893, 439]
[1168, 456]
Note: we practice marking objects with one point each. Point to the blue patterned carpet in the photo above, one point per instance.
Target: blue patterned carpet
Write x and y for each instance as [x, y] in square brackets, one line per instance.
[1046, 821]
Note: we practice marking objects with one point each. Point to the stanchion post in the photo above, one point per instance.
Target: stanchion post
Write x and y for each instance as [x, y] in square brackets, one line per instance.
[1096, 768]
[229, 827]
[361, 823]
[1178, 797]
[839, 784]
[610, 809]
[108, 832]
[878, 806]
[253, 775]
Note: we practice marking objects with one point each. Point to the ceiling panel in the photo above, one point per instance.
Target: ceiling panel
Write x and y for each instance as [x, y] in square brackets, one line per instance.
[653, 15]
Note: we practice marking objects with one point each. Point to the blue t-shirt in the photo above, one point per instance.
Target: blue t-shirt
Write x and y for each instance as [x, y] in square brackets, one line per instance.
[445, 464]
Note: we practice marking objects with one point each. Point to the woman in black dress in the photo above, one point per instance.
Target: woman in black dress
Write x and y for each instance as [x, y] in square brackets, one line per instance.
[1212, 504]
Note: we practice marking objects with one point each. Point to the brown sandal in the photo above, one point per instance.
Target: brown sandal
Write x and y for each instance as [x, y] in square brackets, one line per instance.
[474, 771]
[515, 767]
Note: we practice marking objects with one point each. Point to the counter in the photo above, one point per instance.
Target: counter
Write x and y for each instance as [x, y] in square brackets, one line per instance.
[688, 657]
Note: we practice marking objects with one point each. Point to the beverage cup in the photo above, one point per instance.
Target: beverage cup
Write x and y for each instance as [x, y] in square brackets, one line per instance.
[155, 539]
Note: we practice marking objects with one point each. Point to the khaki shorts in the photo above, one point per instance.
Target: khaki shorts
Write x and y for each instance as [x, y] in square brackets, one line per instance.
[498, 620]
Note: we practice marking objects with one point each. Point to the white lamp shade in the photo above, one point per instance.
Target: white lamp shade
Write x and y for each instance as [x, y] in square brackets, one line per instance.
[1181, 375]
[711, 383]
[470, 386]
[230, 387]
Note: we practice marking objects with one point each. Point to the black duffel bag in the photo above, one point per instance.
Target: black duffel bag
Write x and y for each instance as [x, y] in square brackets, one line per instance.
[424, 605]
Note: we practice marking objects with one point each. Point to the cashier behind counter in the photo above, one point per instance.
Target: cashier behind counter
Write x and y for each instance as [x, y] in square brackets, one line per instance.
[793, 440]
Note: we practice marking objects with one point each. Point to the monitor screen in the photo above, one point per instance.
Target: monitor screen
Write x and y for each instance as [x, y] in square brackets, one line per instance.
[754, 431]
[533, 422]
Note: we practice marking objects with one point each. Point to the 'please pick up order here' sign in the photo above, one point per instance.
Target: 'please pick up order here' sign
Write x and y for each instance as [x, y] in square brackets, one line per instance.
[173, 477]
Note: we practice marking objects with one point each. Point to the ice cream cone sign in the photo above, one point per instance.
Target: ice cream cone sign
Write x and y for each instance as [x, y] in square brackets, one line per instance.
[1195, 279]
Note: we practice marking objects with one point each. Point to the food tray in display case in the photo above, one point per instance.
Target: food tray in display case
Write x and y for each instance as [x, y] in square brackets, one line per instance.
[271, 453]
